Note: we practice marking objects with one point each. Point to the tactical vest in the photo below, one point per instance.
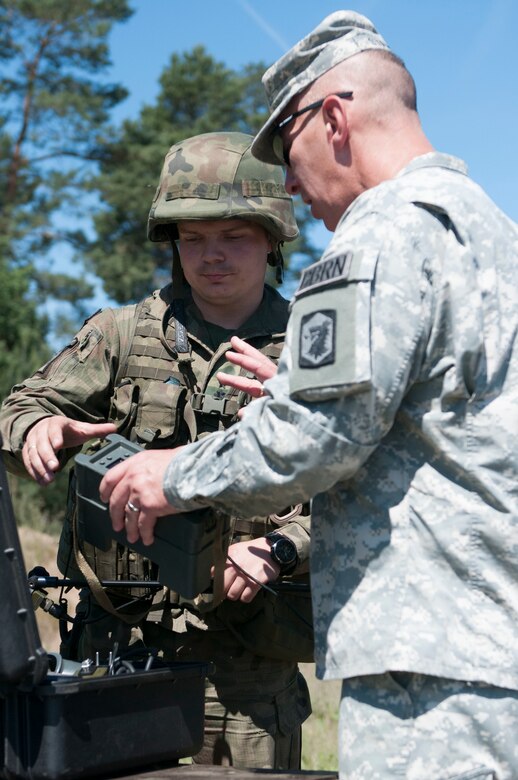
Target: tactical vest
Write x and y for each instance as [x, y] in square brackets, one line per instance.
[162, 399]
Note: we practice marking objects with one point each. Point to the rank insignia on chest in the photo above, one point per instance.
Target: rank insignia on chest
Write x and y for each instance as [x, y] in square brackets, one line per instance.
[317, 339]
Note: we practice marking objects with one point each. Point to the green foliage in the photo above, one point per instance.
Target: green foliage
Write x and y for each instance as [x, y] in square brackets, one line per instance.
[54, 109]
[22, 330]
[42, 509]
[198, 95]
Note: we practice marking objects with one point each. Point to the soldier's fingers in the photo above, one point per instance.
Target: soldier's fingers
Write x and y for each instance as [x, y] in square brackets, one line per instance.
[263, 368]
[248, 593]
[251, 386]
[248, 363]
[131, 525]
[35, 463]
[50, 442]
[75, 433]
[39, 453]
[236, 588]
[146, 523]
[251, 359]
[27, 462]
[229, 575]
[243, 347]
[114, 481]
[118, 499]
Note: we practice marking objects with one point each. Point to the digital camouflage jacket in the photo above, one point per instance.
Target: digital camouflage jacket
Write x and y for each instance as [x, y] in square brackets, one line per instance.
[395, 405]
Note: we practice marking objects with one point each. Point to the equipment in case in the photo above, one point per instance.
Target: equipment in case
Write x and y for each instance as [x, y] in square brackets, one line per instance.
[58, 726]
[185, 544]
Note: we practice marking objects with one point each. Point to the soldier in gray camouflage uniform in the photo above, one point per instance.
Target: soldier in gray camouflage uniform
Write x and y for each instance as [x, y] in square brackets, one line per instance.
[395, 405]
[150, 371]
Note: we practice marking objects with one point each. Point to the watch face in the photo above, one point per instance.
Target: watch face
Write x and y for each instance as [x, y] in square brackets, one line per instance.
[284, 551]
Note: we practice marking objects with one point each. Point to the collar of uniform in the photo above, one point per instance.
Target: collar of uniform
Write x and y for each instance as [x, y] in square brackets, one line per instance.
[270, 318]
[429, 160]
[434, 160]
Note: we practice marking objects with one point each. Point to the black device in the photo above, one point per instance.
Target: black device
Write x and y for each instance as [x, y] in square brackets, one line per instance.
[283, 551]
[91, 722]
[185, 544]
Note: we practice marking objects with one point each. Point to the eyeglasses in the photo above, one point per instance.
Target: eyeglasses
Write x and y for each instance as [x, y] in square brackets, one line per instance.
[282, 152]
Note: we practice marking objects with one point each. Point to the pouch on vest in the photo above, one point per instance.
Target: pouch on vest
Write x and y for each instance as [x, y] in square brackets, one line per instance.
[149, 412]
[118, 563]
[160, 414]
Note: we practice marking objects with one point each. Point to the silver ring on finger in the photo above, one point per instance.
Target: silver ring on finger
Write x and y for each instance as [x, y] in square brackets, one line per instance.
[132, 507]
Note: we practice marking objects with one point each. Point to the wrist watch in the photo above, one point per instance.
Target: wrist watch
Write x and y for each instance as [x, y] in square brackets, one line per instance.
[282, 551]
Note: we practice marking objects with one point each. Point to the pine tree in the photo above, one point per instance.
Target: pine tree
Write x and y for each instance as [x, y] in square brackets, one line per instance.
[197, 95]
[54, 107]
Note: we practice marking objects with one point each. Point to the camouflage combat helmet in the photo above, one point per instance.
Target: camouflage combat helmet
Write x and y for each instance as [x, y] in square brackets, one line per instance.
[215, 176]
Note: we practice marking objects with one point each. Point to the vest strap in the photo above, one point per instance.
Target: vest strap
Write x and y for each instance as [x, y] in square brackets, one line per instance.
[208, 404]
[95, 586]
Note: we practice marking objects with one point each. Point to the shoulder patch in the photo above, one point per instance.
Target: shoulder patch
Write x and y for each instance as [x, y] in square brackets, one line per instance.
[325, 272]
[317, 345]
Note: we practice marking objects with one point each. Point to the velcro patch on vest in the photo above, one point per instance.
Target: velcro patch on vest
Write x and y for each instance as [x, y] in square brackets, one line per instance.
[317, 345]
[325, 272]
[181, 338]
[198, 189]
[263, 189]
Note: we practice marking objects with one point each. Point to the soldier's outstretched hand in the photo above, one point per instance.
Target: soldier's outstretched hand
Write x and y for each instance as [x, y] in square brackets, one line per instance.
[52, 434]
[250, 359]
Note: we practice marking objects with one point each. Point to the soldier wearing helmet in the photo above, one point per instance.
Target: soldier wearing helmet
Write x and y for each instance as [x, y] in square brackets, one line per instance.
[148, 371]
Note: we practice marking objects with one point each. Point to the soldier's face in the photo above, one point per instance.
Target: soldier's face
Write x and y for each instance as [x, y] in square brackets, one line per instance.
[223, 260]
[310, 172]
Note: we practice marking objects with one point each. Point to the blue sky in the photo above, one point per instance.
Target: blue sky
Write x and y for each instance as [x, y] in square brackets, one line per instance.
[462, 54]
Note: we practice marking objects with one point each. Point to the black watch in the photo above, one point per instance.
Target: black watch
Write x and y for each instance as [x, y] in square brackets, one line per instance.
[283, 551]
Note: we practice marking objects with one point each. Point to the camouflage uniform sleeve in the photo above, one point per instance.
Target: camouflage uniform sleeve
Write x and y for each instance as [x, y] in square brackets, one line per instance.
[76, 383]
[327, 409]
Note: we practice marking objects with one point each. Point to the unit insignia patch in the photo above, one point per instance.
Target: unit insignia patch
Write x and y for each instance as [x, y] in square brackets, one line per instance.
[317, 339]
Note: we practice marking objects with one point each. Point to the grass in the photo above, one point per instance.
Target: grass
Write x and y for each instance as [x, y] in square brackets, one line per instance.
[40, 549]
[319, 732]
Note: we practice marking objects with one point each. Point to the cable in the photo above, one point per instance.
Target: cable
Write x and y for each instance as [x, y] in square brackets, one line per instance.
[270, 590]
[250, 576]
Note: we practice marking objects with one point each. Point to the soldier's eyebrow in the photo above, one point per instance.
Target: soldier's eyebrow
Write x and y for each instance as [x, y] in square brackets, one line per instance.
[188, 232]
[236, 229]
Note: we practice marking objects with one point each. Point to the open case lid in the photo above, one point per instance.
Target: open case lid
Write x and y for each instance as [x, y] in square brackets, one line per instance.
[22, 659]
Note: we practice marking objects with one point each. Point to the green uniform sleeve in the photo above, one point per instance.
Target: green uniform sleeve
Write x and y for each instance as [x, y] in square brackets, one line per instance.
[76, 383]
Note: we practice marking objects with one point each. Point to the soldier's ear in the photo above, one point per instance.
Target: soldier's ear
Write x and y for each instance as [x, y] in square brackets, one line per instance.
[334, 113]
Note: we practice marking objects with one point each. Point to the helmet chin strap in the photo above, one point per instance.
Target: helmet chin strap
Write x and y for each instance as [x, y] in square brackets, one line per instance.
[276, 259]
[177, 272]
[176, 311]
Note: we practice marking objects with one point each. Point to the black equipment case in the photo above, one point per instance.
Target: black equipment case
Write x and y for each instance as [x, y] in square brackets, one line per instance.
[186, 545]
[57, 726]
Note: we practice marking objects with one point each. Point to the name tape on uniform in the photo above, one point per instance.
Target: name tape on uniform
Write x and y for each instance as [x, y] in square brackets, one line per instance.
[325, 272]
